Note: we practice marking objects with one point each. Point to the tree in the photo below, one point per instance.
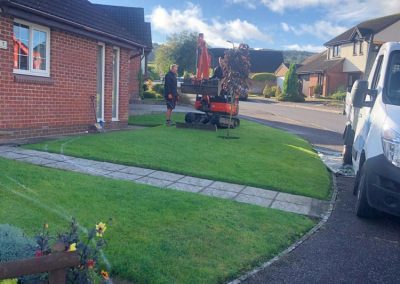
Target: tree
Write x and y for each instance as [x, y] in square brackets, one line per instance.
[180, 49]
[236, 66]
[290, 86]
[163, 58]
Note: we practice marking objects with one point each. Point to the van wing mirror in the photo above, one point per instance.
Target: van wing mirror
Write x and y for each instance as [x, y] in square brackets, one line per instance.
[358, 93]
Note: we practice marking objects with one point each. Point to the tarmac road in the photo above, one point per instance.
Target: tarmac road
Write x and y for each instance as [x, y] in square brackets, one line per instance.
[320, 125]
[346, 249]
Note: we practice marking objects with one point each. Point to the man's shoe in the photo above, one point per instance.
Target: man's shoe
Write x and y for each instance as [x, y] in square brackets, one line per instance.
[170, 123]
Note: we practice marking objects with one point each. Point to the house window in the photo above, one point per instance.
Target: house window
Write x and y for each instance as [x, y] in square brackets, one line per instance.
[355, 47]
[320, 79]
[336, 51]
[31, 49]
[360, 47]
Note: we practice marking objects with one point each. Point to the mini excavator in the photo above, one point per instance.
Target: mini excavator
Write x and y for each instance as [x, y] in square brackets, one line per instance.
[213, 105]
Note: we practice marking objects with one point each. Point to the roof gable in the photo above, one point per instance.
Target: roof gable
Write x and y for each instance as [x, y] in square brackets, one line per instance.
[365, 29]
[318, 64]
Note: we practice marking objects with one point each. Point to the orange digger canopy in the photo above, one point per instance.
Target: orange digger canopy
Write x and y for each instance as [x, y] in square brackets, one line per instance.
[203, 59]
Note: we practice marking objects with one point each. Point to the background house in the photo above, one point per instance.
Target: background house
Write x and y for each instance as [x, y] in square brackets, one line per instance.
[55, 56]
[280, 73]
[318, 70]
[359, 45]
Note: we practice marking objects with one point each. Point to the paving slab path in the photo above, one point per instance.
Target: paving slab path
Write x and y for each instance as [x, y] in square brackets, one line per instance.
[241, 193]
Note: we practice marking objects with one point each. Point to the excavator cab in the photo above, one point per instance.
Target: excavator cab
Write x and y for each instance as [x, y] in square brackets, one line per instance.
[213, 108]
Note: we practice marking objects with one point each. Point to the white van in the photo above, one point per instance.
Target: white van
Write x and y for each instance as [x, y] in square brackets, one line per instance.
[372, 135]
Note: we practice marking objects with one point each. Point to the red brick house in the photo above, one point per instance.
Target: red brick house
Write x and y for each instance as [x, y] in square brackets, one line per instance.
[318, 70]
[280, 73]
[63, 61]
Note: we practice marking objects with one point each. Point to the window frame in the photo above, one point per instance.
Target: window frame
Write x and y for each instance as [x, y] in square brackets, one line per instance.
[118, 69]
[336, 51]
[31, 71]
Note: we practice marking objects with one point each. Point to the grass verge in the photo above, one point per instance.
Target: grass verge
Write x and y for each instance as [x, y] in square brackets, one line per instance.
[154, 119]
[263, 157]
[157, 236]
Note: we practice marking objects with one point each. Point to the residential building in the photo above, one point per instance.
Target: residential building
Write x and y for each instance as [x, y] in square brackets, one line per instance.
[317, 70]
[359, 45]
[66, 64]
[281, 72]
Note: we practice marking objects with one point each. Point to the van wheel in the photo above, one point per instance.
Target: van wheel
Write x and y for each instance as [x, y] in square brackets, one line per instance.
[362, 208]
[347, 149]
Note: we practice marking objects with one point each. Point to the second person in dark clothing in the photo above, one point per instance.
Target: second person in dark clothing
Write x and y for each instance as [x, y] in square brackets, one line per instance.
[171, 92]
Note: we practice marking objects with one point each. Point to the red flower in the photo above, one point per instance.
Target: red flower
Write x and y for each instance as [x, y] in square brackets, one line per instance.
[38, 253]
[90, 263]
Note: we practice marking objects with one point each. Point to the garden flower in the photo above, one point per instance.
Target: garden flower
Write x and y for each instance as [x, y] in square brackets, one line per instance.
[38, 253]
[105, 275]
[90, 263]
[72, 247]
[100, 229]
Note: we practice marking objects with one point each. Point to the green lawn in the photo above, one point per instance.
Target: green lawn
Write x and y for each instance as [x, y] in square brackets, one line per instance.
[262, 157]
[157, 236]
[154, 119]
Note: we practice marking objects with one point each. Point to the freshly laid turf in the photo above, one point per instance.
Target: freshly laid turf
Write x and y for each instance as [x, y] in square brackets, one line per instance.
[262, 157]
[154, 119]
[157, 236]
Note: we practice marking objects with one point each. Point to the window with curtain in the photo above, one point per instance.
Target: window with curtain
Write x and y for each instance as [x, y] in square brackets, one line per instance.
[31, 49]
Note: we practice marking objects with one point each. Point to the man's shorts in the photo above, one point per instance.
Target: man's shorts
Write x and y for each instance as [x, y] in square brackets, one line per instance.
[170, 103]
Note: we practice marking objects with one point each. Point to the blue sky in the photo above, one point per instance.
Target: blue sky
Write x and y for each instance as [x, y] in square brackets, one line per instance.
[274, 24]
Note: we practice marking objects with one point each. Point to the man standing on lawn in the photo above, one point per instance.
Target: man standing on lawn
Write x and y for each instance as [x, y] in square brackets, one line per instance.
[171, 92]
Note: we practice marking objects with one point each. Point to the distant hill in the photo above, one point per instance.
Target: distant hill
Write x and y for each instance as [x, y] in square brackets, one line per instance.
[295, 56]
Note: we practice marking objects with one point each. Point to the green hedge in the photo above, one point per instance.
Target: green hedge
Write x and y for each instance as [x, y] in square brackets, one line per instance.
[158, 88]
[269, 91]
[150, 95]
[14, 245]
[263, 77]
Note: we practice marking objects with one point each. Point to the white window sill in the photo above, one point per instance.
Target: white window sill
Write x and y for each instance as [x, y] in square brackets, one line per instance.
[29, 73]
[115, 119]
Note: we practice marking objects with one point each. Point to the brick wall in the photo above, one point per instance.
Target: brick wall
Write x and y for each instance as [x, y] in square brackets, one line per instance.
[61, 104]
[336, 78]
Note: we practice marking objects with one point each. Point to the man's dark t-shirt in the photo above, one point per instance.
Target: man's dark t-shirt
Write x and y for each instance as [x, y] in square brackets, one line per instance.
[170, 85]
[218, 73]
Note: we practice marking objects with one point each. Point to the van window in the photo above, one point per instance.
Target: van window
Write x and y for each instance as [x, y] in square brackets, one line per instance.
[393, 90]
[377, 73]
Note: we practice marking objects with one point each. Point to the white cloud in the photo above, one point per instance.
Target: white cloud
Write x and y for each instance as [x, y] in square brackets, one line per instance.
[280, 6]
[321, 29]
[251, 4]
[285, 27]
[356, 11]
[348, 11]
[216, 32]
[307, 47]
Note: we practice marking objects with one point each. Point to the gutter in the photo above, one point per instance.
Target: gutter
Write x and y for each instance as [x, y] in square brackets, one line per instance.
[35, 11]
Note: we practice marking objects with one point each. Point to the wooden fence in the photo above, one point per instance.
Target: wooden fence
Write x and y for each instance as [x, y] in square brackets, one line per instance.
[56, 264]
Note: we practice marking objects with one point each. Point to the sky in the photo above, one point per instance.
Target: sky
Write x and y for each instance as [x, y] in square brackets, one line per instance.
[269, 24]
